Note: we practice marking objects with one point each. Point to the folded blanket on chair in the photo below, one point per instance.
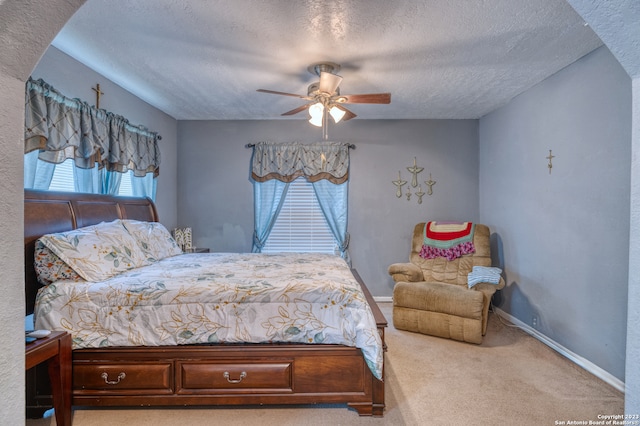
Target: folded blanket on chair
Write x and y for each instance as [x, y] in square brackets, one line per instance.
[483, 274]
[447, 239]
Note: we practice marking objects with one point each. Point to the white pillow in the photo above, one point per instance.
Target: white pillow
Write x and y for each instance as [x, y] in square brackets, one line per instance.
[97, 252]
[154, 239]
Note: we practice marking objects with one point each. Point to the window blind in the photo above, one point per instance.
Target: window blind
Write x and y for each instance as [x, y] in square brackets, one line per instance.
[62, 179]
[125, 184]
[300, 226]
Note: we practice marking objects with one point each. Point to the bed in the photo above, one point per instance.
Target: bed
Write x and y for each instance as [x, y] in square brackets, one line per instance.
[197, 374]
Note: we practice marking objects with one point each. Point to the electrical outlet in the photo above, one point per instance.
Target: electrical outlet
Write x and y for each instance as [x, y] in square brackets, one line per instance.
[534, 321]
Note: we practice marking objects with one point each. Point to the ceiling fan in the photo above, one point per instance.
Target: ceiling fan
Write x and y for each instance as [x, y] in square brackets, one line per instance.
[324, 96]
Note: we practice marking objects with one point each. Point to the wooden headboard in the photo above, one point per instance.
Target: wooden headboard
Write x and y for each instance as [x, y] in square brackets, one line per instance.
[46, 212]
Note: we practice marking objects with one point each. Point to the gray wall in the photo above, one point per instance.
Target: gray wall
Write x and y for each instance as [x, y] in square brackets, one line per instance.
[216, 199]
[74, 80]
[564, 236]
[616, 23]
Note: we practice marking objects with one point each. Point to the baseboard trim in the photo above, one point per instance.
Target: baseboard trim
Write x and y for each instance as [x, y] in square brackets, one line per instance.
[575, 358]
[383, 299]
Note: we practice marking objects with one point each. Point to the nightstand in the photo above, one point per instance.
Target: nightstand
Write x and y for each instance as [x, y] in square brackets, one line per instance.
[197, 250]
[56, 350]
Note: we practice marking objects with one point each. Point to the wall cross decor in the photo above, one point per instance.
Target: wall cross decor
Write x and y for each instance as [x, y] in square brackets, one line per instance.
[98, 94]
[414, 170]
[550, 157]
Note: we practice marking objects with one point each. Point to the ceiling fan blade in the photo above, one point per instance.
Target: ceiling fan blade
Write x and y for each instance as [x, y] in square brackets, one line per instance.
[297, 110]
[273, 92]
[371, 98]
[348, 115]
[329, 82]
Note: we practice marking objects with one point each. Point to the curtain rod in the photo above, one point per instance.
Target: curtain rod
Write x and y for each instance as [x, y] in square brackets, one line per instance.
[251, 145]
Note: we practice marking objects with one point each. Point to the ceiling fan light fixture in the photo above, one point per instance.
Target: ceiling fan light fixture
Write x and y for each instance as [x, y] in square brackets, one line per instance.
[320, 67]
[316, 111]
[337, 113]
[329, 83]
[323, 97]
[316, 121]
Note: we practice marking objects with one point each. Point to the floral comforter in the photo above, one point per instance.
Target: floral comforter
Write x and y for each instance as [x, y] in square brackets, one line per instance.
[217, 297]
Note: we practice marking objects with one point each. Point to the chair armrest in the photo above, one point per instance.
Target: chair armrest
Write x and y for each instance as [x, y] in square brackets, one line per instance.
[490, 287]
[406, 272]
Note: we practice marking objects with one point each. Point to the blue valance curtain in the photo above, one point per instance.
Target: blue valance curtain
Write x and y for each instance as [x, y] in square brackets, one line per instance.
[101, 144]
[324, 164]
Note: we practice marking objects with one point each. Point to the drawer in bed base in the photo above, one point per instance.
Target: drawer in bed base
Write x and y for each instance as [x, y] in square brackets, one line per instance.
[124, 377]
[229, 376]
[227, 370]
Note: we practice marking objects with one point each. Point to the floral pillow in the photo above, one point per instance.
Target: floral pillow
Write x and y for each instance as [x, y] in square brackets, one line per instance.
[50, 268]
[155, 240]
[97, 252]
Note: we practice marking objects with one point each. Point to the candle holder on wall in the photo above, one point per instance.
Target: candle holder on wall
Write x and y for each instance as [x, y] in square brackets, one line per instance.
[419, 194]
[430, 184]
[414, 171]
[398, 183]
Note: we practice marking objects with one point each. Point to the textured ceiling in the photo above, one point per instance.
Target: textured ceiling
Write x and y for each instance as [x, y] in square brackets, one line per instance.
[439, 58]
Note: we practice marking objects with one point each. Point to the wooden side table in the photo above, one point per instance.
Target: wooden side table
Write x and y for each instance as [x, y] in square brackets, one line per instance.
[56, 350]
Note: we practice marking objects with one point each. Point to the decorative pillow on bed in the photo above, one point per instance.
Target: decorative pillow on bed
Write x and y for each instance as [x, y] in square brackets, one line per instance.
[97, 252]
[155, 240]
[50, 268]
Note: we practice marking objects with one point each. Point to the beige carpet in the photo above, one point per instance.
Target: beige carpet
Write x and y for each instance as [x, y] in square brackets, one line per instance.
[511, 379]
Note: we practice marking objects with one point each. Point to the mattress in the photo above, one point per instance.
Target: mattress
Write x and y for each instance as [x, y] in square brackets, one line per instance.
[208, 298]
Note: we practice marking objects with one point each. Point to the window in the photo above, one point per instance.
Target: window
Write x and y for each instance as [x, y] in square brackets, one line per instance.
[62, 179]
[300, 226]
[125, 184]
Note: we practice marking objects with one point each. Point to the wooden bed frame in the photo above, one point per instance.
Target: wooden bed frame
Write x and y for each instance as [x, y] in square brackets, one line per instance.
[196, 375]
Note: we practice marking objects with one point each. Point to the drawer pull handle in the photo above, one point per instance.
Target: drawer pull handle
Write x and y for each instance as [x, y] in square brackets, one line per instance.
[242, 376]
[105, 376]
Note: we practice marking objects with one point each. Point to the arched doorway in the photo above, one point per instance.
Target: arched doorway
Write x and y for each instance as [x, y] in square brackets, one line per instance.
[26, 30]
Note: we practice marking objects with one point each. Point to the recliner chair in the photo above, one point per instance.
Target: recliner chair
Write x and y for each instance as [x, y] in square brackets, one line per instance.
[431, 296]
